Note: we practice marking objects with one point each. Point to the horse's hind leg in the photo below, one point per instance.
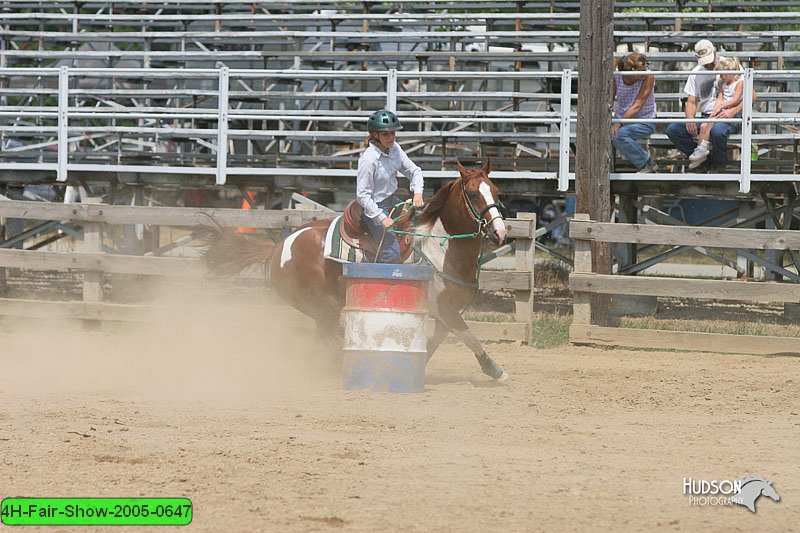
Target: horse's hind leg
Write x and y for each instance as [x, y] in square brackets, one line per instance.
[325, 311]
[329, 327]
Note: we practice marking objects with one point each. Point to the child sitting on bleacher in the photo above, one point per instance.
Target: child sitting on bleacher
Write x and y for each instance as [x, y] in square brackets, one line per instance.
[729, 95]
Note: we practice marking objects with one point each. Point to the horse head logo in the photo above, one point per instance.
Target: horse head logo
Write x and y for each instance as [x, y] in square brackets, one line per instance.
[752, 488]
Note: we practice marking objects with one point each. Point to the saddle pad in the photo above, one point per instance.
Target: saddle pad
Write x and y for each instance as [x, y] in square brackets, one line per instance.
[337, 249]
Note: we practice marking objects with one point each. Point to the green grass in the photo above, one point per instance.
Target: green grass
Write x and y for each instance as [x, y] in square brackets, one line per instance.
[713, 326]
[551, 331]
[488, 316]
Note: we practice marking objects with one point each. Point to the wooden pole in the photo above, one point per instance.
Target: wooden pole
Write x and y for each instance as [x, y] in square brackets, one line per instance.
[523, 300]
[92, 279]
[593, 158]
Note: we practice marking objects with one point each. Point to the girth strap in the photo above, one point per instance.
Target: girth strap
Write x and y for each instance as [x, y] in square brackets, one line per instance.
[453, 279]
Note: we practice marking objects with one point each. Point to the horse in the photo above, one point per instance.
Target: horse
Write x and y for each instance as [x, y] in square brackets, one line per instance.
[314, 285]
[751, 488]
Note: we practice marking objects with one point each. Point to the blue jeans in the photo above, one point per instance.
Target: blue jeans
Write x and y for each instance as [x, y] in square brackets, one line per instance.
[390, 248]
[626, 142]
[719, 140]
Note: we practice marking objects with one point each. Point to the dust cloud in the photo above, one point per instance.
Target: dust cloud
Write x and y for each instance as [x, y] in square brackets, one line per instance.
[227, 399]
[194, 344]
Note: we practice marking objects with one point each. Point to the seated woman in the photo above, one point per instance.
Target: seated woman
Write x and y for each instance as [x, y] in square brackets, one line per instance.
[635, 97]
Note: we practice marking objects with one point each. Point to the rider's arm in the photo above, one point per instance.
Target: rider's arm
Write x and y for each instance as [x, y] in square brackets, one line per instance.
[412, 172]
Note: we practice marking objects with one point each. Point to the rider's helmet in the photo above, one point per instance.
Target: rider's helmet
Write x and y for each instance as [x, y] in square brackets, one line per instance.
[383, 120]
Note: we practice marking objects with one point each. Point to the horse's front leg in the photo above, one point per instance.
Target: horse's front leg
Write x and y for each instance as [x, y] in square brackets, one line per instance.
[440, 332]
[488, 365]
[460, 330]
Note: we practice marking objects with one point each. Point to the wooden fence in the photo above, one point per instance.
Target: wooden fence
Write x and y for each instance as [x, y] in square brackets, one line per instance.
[94, 262]
[583, 281]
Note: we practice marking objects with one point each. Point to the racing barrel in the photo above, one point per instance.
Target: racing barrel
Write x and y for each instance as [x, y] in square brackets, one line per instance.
[385, 313]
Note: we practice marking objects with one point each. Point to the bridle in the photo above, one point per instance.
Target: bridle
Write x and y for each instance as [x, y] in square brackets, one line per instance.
[483, 224]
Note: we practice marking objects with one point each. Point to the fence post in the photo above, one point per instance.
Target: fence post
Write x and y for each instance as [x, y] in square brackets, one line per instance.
[63, 106]
[747, 130]
[3, 277]
[92, 279]
[524, 255]
[391, 90]
[222, 127]
[563, 137]
[581, 301]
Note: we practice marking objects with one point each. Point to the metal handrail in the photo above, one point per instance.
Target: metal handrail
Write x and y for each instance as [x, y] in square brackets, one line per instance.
[221, 114]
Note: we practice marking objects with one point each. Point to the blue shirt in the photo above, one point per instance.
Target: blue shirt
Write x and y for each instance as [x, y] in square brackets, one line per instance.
[377, 177]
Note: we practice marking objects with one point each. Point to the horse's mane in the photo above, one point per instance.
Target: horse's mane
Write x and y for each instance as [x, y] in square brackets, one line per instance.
[434, 207]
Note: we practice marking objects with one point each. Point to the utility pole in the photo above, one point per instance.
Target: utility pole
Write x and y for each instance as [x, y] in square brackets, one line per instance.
[593, 158]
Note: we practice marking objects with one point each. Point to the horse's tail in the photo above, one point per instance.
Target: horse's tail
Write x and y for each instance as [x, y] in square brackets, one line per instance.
[228, 252]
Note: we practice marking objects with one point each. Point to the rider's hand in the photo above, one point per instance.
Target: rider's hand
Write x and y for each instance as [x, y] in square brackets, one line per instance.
[387, 222]
[615, 129]
[418, 202]
[691, 128]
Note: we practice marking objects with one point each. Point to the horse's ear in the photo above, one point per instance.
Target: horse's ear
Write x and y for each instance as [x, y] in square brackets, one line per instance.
[461, 169]
[487, 167]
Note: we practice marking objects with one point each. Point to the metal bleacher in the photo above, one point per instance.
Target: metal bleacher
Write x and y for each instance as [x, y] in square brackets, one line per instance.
[276, 94]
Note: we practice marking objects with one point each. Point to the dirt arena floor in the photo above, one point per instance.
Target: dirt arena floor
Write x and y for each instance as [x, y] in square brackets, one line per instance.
[246, 417]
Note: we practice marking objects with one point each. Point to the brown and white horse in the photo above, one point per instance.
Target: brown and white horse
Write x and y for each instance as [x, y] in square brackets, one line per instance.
[315, 286]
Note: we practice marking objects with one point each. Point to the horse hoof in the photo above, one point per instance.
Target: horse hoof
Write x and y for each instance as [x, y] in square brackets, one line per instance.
[504, 377]
[490, 368]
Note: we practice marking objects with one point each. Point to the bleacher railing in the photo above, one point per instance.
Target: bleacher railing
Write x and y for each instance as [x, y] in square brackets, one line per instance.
[46, 108]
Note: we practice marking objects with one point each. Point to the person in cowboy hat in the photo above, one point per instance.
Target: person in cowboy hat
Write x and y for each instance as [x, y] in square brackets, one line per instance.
[376, 181]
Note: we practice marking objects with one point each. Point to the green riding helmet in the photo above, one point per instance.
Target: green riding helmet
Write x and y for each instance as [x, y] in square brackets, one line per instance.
[383, 120]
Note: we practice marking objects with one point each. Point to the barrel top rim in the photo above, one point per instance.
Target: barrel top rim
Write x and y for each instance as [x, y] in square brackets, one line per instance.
[388, 271]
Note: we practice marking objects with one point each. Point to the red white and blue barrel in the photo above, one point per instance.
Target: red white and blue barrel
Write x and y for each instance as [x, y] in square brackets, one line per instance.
[385, 313]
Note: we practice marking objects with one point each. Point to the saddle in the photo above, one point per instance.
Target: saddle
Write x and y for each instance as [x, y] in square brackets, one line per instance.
[356, 235]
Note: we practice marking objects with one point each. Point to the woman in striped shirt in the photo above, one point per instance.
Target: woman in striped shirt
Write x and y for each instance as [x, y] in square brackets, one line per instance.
[635, 97]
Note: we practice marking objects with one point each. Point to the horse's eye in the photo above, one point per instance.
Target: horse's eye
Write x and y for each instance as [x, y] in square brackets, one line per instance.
[473, 195]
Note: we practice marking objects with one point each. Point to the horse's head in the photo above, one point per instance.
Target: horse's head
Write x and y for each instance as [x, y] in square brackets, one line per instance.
[480, 197]
[768, 490]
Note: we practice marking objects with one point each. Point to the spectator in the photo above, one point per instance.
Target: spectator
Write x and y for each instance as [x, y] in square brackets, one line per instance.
[701, 92]
[635, 99]
[729, 95]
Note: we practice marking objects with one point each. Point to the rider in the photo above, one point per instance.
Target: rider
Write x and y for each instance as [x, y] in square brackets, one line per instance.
[377, 182]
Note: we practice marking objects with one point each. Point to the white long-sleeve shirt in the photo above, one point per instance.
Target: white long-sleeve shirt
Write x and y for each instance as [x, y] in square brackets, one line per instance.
[377, 177]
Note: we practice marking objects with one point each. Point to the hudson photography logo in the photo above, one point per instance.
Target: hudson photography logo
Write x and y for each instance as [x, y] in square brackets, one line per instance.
[726, 492]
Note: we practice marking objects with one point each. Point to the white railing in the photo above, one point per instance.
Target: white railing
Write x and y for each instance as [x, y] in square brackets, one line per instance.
[748, 119]
[217, 138]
